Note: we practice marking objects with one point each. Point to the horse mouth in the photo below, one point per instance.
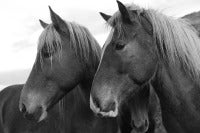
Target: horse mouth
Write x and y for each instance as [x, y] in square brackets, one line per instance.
[109, 114]
[98, 111]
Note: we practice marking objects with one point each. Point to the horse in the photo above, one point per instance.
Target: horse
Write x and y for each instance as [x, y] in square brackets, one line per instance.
[143, 46]
[12, 120]
[141, 113]
[66, 61]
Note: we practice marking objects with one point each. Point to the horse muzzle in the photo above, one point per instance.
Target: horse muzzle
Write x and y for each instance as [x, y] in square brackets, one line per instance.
[106, 110]
[33, 113]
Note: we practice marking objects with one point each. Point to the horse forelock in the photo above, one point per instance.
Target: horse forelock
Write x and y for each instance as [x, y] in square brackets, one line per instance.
[80, 39]
[50, 39]
[177, 39]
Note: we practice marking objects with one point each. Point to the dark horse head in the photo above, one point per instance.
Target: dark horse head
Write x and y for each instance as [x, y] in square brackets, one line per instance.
[140, 42]
[128, 60]
[67, 55]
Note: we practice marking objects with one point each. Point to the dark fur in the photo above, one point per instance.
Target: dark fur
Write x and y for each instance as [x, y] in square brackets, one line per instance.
[131, 117]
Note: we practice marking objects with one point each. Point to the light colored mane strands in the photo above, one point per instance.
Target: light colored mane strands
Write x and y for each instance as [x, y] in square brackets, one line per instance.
[80, 39]
[177, 39]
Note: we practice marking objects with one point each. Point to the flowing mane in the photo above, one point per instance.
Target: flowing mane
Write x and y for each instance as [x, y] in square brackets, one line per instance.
[176, 39]
[80, 39]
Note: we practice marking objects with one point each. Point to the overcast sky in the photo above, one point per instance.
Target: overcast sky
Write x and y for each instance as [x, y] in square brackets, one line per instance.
[20, 28]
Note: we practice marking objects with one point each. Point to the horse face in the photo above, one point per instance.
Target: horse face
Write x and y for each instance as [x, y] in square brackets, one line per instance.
[129, 60]
[138, 105]
[55, 72]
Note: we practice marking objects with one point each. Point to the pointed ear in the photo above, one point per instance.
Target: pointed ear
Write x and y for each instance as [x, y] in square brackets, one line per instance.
[105, 16]
[43, 24]
[57, 21]
[124, 12]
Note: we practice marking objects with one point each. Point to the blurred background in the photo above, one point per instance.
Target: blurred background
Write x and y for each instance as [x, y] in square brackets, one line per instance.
[20, 28]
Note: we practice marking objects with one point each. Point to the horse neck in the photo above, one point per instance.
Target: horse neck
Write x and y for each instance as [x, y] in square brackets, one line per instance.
[140, 100]
[85, 87]
[75, 103]
[173, 82]
[86, 82]
[139, 106]
[77, 98]
[79, 95]
[178, 95]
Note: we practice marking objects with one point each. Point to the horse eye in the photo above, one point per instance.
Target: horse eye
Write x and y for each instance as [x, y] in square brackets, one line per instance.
[119, 46]
[46, 53]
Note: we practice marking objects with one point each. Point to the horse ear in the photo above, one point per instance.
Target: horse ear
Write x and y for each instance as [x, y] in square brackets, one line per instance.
[57, 21]
[105, 16]
[43, 24]
[124, 12]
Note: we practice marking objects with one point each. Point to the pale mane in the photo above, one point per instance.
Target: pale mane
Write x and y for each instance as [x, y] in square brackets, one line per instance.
[176, 39]
[81, 40]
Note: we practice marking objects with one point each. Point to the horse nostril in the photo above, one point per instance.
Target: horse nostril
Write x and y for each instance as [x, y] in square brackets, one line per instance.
[96, 102]
[23, 108]
[111, 106]
[34, 115]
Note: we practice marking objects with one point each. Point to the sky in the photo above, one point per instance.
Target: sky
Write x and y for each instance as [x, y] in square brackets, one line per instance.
[20, 28]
